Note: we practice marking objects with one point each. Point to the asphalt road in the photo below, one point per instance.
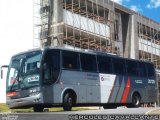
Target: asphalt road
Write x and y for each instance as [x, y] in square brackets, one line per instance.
[69, 115]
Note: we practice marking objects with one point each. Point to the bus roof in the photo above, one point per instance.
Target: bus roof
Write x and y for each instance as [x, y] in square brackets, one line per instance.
[81, 51]
[99, 53]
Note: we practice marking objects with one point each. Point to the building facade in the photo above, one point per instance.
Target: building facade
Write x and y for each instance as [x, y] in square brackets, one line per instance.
[100, 25]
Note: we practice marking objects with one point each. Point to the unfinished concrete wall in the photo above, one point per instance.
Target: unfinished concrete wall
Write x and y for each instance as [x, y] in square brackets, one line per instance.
[98, 25]
[84, 24]
[56, 23]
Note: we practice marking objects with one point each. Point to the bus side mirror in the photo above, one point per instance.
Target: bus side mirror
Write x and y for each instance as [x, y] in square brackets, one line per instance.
[1, 74]
[4, 66]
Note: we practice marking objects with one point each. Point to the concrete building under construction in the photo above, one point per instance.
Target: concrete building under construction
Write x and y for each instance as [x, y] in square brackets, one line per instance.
[100, 25]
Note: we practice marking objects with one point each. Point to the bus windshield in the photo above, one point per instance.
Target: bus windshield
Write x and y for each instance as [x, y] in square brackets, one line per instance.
[24, 71]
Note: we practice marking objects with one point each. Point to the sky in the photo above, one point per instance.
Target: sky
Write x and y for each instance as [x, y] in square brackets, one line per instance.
[16, 31]
[148, 8]
[16, 26]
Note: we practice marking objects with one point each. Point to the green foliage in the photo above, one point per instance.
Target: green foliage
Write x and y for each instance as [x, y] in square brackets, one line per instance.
[5, 108]
[22, 110]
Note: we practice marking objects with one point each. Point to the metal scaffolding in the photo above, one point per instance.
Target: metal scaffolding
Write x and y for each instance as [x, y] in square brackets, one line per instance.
[89, 26]
[96, 25]
[80, 24]
[36, 23]
[149, 44]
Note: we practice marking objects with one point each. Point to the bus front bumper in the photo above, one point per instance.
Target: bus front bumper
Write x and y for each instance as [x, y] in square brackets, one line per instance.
[25, 102]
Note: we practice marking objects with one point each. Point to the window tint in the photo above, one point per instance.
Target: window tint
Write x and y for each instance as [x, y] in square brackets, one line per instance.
[51, 66]
[104, 64]
[52, 59]
[132, 68]
[150, 70]
[142, 70]
[70, 60]
[88, 62]
[119, 66]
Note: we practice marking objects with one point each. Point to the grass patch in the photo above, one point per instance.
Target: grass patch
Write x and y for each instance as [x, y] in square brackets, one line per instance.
[21, 110]
[5, 108]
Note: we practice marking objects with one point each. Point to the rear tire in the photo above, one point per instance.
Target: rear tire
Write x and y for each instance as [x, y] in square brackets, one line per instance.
[38, 108]
[136, 101]
[67, 102]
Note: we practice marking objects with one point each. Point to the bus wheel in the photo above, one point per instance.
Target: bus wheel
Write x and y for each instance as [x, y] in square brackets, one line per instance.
[38, 109]
[109, 106]
[67, 102]
[136, 100]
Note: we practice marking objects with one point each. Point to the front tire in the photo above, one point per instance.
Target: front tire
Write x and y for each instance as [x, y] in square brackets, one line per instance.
[109, 106]
[67, 102]
[38, 108]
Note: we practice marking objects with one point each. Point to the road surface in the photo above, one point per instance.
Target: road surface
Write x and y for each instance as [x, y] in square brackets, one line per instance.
[68, 115]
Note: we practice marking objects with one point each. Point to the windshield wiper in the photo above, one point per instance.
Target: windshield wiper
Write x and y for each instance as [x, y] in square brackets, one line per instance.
[16, 79]
[19, 82]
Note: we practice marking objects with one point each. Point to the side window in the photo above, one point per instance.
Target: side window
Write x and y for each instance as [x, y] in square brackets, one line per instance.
[104, 64]
[56, 59]
[150, 70]
[142, 70]
[51, 66]
[52, 59]
[88, 62]
[118, 66]
[132, 68]
[70, 60]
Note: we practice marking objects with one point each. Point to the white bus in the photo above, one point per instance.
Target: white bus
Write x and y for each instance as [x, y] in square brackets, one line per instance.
[62, 77]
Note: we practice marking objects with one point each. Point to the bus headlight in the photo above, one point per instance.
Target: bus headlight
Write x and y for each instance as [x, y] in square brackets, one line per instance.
[34, 92]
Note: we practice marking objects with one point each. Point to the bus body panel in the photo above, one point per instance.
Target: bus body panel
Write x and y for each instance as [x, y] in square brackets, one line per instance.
[106, 84]
[84, 84]
[91, 87]
[57, 93]
[48, 94]
[27, 101]
[107, 88]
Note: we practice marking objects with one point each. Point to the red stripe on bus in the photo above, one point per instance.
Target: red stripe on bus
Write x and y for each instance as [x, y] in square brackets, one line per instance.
[126, 91]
